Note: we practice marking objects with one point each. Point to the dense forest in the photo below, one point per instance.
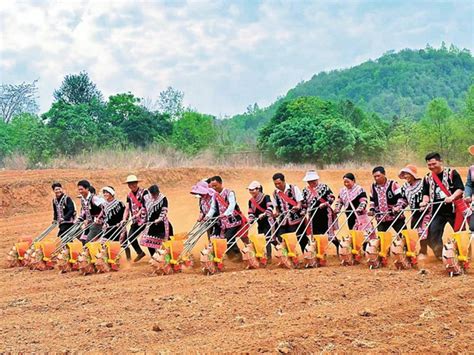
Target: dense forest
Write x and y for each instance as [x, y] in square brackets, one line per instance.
[395, 85]
[391, 110]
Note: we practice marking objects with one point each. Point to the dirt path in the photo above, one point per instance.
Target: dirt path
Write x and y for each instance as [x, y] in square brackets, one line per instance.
[329, 309]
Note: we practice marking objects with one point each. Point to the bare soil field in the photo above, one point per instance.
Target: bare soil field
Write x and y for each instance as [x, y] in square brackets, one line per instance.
[331, 309]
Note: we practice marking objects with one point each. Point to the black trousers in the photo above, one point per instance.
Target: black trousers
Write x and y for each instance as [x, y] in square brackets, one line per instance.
[320, 224]
[435, 233]
[63, 228]
[135, 231]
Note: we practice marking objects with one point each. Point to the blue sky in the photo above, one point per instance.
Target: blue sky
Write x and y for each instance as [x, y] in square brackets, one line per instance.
[224, 55]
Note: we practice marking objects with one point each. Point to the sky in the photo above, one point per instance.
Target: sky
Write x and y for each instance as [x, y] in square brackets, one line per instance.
[224, 55]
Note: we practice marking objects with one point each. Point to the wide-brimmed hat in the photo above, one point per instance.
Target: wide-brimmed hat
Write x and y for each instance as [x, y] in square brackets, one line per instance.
[254, 185]
[201, 188]
[131, 178]
[109, 190]
[471, 149]
[311, 175]
[409, 169]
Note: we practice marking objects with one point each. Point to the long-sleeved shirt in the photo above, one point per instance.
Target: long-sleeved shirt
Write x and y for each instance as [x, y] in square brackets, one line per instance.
[91, 207]
[230, 208]
[64, 210]
[384, 198]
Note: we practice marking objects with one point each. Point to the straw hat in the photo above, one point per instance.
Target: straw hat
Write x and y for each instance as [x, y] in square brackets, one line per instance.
[471, 149]
[201, 188]
[131, 178]
[311, 175]
[254, 185]
[409, 169]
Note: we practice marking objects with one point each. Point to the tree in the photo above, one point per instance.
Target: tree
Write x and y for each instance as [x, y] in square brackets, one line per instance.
[309, 129]
[435, 128]
[140, 126]
[74, 129]
[77, 89]
[32, 138]
[6, 144]
[402, 140]
[171, 102]
[18, 99]
[194, 132]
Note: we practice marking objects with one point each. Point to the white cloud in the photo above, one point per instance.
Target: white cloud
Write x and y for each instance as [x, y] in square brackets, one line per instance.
[223, 54]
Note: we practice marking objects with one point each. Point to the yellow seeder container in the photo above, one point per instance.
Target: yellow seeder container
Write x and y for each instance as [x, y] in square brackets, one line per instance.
[385, 240]
[321, 245]
[411, 238]
[357, 240]
[462, 240]
[291, 242]
[259, 244]
[94, 248]
[220, 246]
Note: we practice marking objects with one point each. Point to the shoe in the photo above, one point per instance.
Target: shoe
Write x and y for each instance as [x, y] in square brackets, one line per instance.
[128, 254]
[139, 257]
[421, 257]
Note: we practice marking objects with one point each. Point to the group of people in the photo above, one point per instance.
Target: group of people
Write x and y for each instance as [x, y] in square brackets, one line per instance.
[435, 200]
[146, 210]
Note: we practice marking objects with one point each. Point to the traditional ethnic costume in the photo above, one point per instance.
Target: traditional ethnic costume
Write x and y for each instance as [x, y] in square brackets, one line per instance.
[383, 200]
[318, 203]
[449, 182]
[225, 204]
[289, 220]
[136, 204]
[64, 212]
[157, 232]
[261, 209]
[412, 195]
[205, 194]
[355, 199]
[92, 213]
[113, 216]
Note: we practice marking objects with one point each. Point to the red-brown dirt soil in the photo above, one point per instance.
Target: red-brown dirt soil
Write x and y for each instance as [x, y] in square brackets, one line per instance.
[331, 309]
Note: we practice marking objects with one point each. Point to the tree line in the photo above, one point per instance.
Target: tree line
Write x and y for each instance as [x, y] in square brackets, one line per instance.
[80, 120]
[297, 128]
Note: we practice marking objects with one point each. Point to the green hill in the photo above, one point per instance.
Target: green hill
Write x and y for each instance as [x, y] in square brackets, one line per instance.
[396, 84]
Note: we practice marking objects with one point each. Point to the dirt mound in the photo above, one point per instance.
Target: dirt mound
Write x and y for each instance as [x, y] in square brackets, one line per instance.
[343, 309]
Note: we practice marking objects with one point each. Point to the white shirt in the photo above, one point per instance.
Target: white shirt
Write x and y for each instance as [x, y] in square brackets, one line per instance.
[230, 209]
[298, 195]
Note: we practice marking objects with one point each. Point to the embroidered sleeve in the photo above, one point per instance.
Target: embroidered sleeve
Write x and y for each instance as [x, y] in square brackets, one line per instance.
[398, 194]
[329, 196]
[83, 214]
[276, 200]
[372, 203]
[164, 209]
[305, 195]
[70, 209]
[251, 212]
[55, 213]
[269, 206]
[362, 201]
